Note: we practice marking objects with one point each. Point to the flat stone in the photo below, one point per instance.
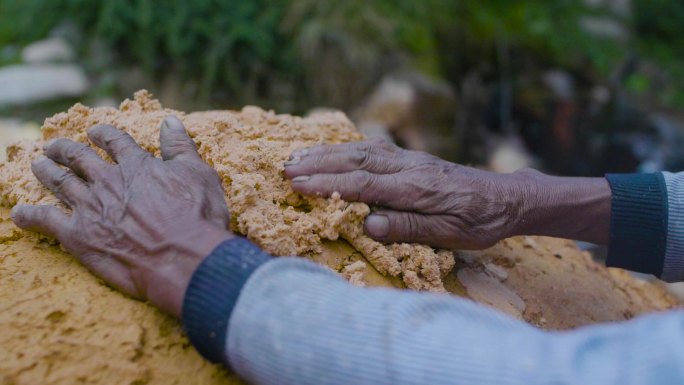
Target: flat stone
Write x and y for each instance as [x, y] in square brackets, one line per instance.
[27, 84]
[52, 50]
[490, 291]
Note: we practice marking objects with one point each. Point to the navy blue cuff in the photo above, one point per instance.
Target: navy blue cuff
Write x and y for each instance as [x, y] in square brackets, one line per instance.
[213, 292]
[638, 222]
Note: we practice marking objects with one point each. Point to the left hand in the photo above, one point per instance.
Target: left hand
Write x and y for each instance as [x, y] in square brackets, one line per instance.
[143, 224]
[424, 199]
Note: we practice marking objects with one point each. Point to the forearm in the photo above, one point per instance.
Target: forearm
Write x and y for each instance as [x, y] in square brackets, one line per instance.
[565, 207]
[639, 216]
[298, 323]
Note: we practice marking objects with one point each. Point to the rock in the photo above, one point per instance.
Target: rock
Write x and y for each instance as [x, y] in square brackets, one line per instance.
[52, 50]
[490, 291]
[374, 129]
[509, 155]
[25, 84]
[416, 111]
[389, 104]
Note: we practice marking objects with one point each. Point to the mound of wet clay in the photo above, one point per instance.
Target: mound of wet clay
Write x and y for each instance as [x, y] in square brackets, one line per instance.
[61, 325]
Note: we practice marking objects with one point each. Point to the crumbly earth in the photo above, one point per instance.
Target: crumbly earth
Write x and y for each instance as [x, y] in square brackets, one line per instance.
[248, 149]
[61, 325]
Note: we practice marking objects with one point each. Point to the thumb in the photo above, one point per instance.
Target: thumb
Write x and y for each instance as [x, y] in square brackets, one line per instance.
[48, 220]
[175, 143]
[400, 226]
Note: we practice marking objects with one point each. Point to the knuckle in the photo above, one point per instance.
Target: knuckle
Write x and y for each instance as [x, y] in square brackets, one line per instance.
[119, 141]
[389, 146]
[61, 180]
[358, 182]
[76, 152]
[116, 140]
[179, 142]
[360, 179]
[360, 159]
[410, 227]
[366, 146]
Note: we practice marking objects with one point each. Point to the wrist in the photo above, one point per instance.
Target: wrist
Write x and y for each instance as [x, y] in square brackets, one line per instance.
[564, 207]
[165, 283]
[213, 293]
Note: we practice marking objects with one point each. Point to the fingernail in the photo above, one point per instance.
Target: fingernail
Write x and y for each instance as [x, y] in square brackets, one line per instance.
[377, 225]
[293, 161]
[300, 153]
[170, 122]
[49, 143]
[301, 178]
[39, 159]
[14, 214]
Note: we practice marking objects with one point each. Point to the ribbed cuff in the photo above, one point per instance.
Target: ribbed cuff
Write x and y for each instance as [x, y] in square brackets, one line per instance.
[673, 267]
[213, 291]
[638, 222]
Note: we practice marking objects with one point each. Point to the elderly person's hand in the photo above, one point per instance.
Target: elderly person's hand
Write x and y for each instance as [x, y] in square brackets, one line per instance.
[428, 200]
[143, 224]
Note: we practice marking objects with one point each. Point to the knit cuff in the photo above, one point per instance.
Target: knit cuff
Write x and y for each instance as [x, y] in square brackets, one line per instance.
[213, 291]
[673, 267]
[638, 222]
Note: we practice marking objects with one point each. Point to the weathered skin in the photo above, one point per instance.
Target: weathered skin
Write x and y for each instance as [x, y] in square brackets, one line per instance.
[142, 224]
[428, 200]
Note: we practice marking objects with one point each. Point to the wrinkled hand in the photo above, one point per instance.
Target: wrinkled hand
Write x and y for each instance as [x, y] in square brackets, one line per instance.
[143, 224]
[425, 199]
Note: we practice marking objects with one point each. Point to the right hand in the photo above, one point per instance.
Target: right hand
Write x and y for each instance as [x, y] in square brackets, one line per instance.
[424, 199]
[143, 224]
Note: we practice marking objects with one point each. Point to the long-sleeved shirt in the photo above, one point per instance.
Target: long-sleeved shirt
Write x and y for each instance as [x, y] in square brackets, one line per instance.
[289, 321]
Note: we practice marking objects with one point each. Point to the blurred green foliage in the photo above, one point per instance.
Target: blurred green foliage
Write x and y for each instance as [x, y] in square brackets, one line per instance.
[658, 23]
[331, 52]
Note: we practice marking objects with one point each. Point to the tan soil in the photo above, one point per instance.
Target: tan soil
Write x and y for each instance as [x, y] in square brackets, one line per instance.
[61, 325]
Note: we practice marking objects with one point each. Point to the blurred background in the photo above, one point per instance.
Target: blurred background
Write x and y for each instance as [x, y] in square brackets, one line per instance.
[573, 87]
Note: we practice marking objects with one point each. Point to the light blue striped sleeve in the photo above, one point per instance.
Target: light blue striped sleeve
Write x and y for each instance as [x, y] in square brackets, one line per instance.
[673, 266]
[298, 323]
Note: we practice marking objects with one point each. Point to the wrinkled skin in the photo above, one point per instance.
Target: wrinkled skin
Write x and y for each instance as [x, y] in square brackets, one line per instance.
[424, 199]
[142, 224]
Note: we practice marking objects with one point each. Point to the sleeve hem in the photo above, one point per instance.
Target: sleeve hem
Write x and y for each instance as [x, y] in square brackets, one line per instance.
[638, 222]
[673, 267]
[213, 292]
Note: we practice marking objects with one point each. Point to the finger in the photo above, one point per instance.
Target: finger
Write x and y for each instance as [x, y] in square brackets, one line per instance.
[361, 186]
[374, 145]
[48, 220]
[69, 188]
[175, 141]
[79, 157]
[400, 226]
[377, 162]
[119, 145]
